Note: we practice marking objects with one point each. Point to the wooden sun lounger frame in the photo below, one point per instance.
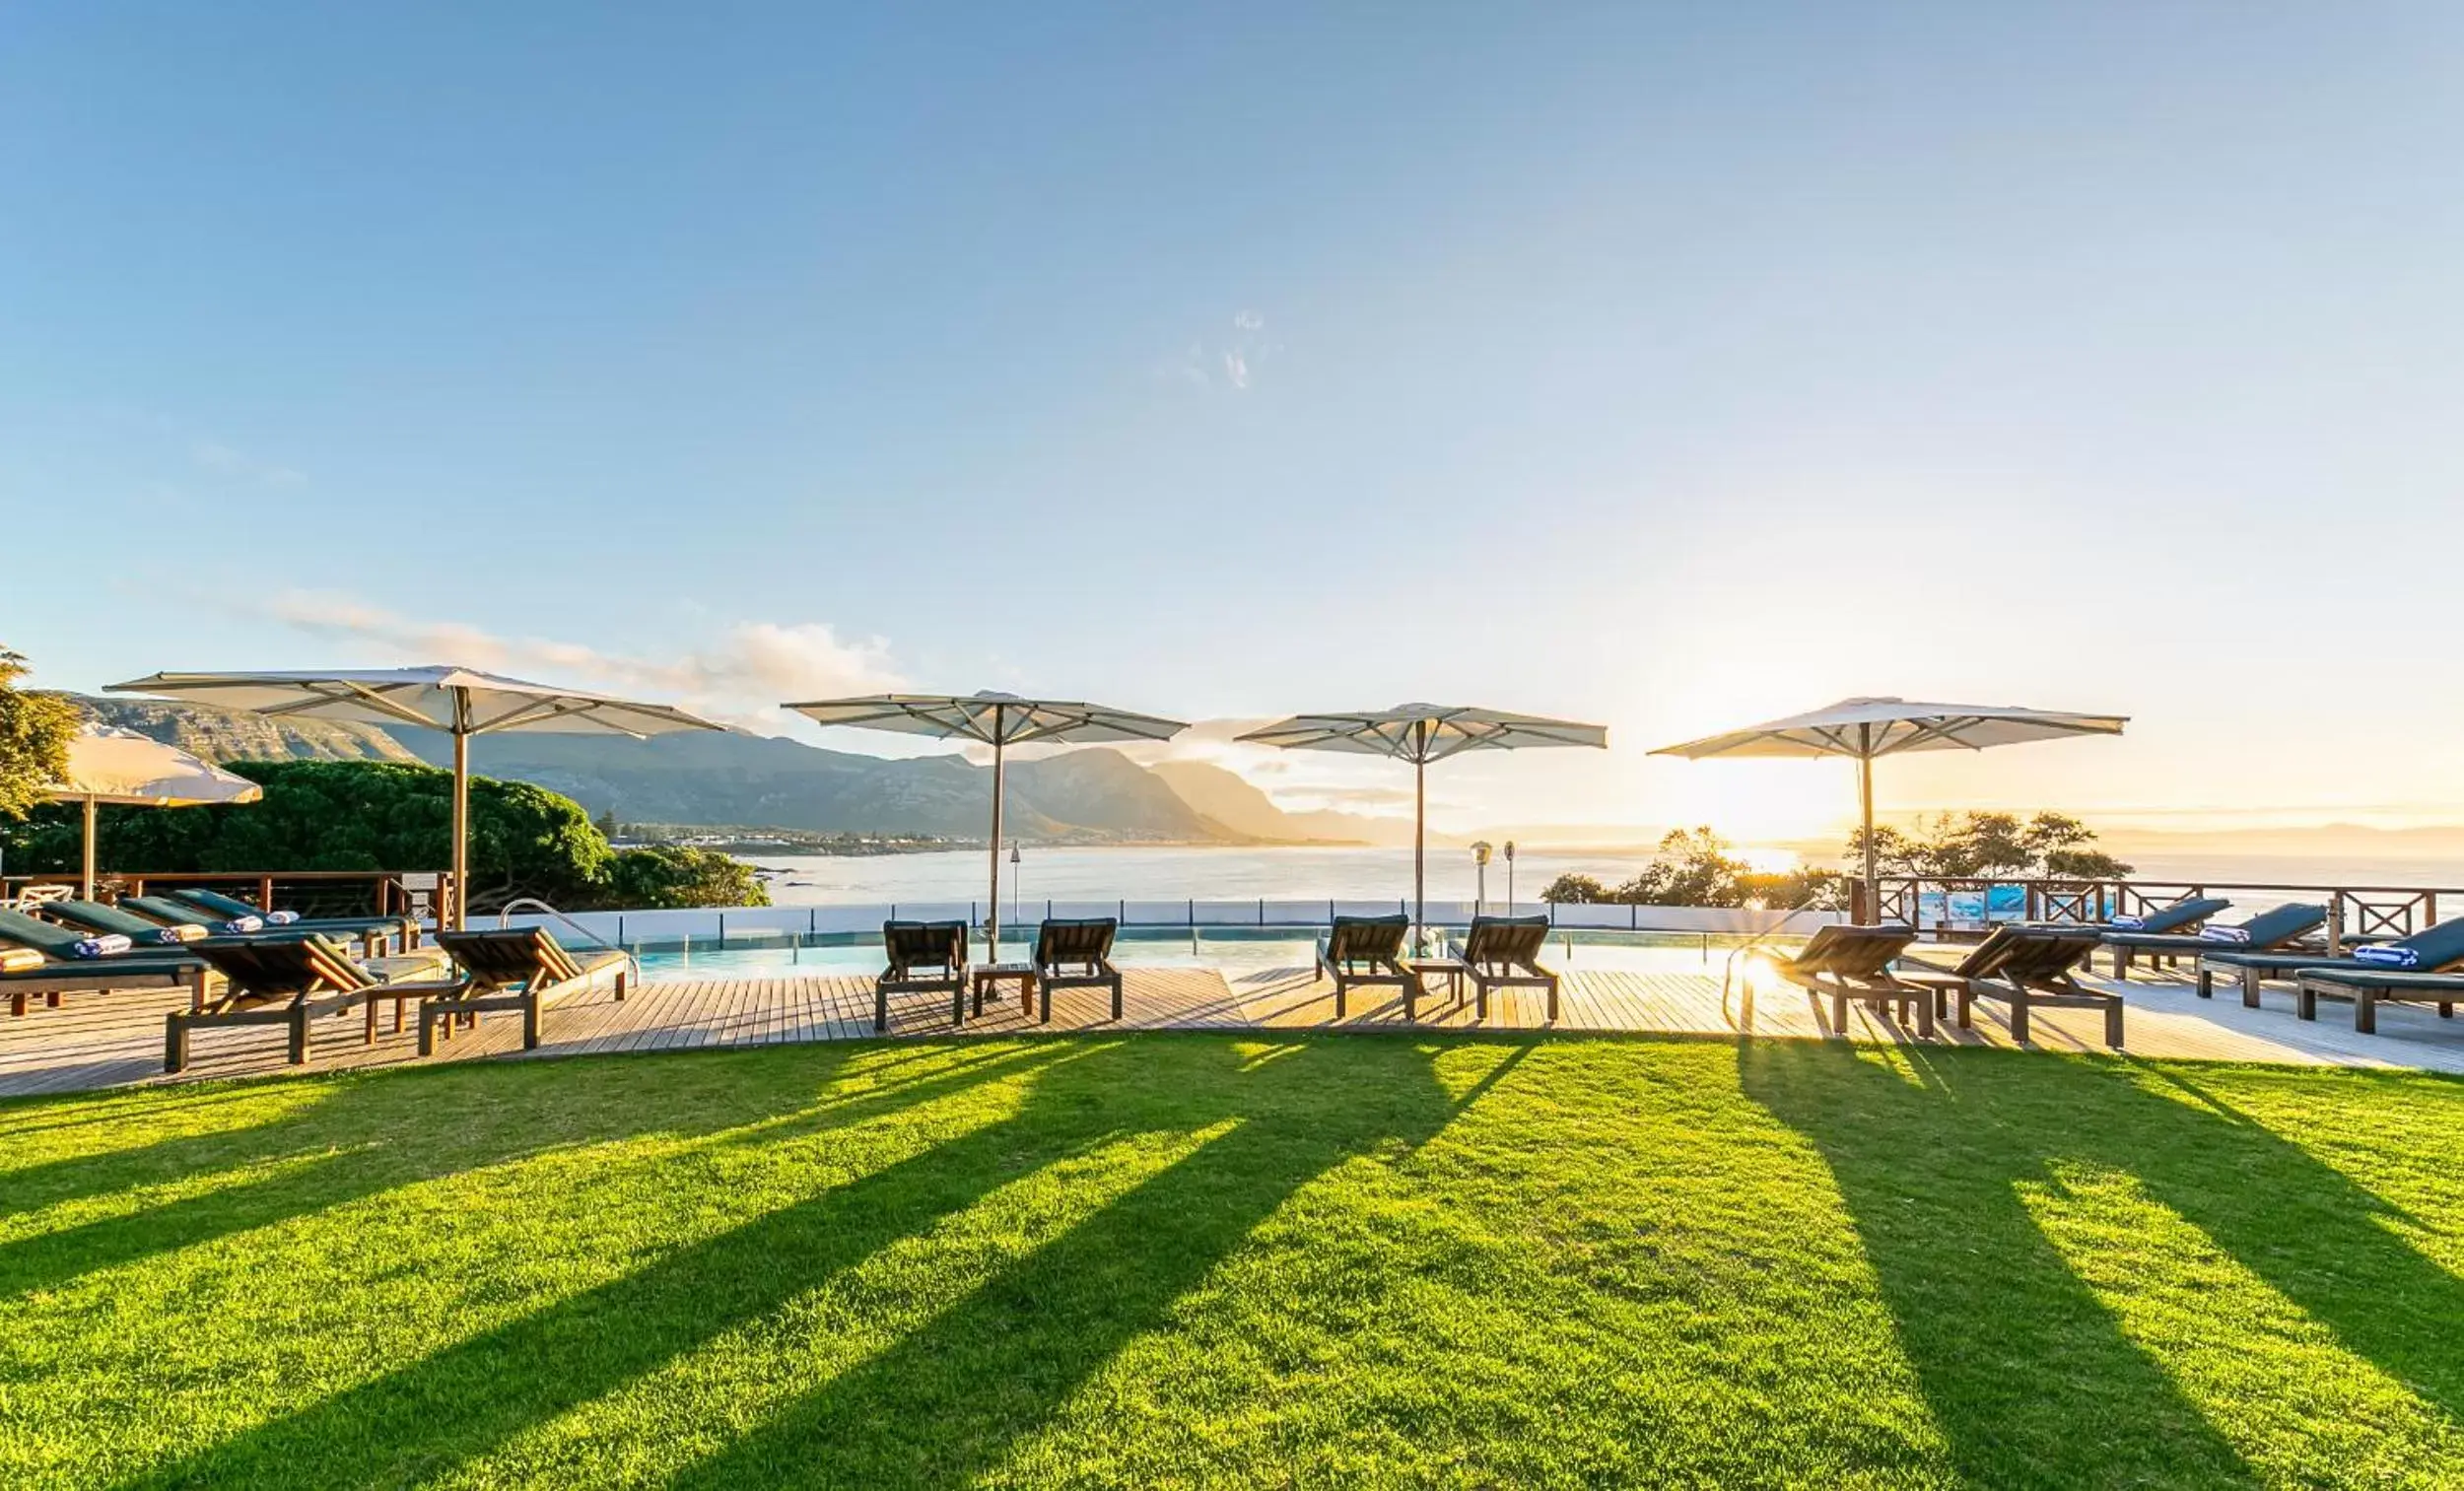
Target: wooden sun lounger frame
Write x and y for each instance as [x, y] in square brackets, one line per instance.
[1504, 952]
[1337, 956]
[335, 985]
[1082, 944]
[76, 977]
[2029, 969]
[534, 968]
[2331, 982]
[1844, 962]
[910, 946]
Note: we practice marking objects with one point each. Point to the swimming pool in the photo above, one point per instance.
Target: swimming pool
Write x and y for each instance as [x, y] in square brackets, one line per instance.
[1234, 951]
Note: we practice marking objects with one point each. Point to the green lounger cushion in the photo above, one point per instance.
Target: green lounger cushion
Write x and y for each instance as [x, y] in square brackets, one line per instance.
[2266, 929]
[2435, 946]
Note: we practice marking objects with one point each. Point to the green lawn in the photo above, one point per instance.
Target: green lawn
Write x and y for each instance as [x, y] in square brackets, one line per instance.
[1183, 1259]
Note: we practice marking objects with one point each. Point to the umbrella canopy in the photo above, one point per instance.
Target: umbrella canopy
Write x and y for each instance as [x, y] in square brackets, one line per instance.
[106, 764]
[462, 702]
[1863, 729]
[1422, 733]
[999, 720]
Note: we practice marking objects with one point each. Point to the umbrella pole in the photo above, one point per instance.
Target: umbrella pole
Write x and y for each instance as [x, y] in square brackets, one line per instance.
[1864, 794]
[1419, 843]
[91, 816]
[992, 910]
[462, 804]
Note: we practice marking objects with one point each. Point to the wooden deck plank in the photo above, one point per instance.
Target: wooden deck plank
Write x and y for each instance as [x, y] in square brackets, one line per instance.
[114, 1039]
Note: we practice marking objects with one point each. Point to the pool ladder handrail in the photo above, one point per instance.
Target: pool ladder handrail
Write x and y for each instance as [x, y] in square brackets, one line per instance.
[533, 903]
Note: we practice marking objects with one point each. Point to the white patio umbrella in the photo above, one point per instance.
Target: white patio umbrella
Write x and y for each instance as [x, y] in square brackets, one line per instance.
[1422, 733]
[1865, 729]
[106, 764]
[462, 701]
[999, 720]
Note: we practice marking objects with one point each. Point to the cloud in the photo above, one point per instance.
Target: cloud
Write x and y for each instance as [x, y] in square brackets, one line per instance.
[741, 678]
[1231, 362]
[223, 460]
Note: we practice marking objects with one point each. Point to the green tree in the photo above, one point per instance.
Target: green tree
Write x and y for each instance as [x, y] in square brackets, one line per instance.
[1991, 846]
[35, 731]
[679, 875]
[1573, 889]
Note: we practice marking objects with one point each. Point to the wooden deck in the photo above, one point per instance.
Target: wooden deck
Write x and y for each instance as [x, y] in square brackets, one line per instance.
[107, 1039]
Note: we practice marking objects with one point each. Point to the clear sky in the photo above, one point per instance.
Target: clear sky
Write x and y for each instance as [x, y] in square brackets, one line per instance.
[1664, 367]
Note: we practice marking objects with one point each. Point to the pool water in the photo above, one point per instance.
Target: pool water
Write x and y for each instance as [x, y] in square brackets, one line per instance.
[1234, 953]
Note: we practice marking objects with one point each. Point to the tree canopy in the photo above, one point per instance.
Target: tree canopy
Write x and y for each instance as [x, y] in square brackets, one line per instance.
[387, 815]
[35, 731]
[1991, 846]
[1698, 867]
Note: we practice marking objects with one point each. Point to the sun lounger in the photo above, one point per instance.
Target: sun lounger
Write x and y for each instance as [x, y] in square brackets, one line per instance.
[1853, 963]
[515, 968]
[287, 981]
[1368, 950]
[2030, 968]
[1504, 952]
[404, 929]
[2369, 988]
[144, 932]
[924, 957]
[2435, 949]
[63, 972]
[1076, 953]
[2268, 931]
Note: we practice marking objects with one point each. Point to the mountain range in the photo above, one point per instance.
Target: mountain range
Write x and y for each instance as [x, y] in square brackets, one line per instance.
[740, 780]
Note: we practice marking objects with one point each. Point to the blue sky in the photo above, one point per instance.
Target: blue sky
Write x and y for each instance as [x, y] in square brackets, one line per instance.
[1670, 368]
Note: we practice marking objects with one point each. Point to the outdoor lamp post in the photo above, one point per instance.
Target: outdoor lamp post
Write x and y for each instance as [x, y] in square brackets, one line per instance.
[1479, 860]
[1015, 918]
[1509, 878]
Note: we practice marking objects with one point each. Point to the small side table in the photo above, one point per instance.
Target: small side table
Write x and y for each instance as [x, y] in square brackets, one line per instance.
[989, 976]
[1454, 970]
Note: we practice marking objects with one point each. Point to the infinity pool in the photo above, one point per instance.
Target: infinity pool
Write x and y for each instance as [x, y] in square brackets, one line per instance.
[1235, 953]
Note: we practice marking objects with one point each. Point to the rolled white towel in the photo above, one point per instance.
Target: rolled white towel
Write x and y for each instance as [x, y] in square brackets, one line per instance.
[281, 919]
[175, 935]
[241, 926]
[106, 945]
[2224, 934]
[2388, 957]
[2129, 923]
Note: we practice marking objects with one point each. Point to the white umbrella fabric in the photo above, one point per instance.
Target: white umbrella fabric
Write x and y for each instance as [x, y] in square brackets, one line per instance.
[106, 764]
[462, 701]
[1422, 733]
[999, 720]
[1866, 730]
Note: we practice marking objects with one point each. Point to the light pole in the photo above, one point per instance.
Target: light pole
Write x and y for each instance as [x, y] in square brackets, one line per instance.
[1509, 878]
[1479, 858]
[1014, 917]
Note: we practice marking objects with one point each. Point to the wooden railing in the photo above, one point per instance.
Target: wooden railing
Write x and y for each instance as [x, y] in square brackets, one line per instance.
[2353, 912]
[312, 893]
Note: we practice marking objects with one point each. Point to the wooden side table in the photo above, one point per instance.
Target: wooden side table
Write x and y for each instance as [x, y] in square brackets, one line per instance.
[989, 976]
[1420, 969]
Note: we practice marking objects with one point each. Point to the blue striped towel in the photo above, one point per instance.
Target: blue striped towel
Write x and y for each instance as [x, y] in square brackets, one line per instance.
[241, 926]
[100, 947]
[2388, 957]
[2224, 934]
[281, 919]
[175, 935]
[2130, 923]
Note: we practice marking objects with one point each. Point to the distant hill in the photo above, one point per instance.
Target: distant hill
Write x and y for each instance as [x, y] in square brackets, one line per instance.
[735, 778]
[241, 736]
[1230, 799]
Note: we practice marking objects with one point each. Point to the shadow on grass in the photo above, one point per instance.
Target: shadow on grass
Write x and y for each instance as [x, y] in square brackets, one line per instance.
[2029, 1375]
[371, 1134]
[949, 1398]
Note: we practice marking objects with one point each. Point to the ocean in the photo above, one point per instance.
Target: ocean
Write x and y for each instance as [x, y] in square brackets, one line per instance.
[1296, 873]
